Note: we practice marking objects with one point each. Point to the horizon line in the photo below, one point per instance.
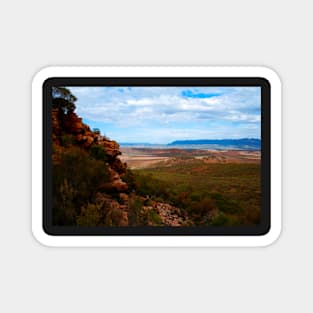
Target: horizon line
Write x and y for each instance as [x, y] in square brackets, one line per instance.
[145, 142]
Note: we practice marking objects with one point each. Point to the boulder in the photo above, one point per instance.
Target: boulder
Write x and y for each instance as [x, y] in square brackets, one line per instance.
[118, 166]
[111, 148]
[124, 197]
[119, 185]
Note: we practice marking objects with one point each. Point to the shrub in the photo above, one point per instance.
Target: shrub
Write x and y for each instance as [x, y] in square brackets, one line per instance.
[130, 180]
[75, 181]
[64, 209]
[220, 220]
[90, 215]
[98, 153]
[196, 196]
[154, 218]
[135, 214]
[226, 205]
[147, 185]
[204, 206]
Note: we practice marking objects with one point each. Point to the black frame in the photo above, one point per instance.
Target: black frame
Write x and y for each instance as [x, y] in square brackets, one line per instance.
[241, 230]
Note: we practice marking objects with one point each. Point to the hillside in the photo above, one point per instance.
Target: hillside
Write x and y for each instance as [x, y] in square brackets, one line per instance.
[92, 186]
[81, 156]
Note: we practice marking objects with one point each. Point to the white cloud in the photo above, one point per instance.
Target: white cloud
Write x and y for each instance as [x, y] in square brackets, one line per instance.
[154, 108]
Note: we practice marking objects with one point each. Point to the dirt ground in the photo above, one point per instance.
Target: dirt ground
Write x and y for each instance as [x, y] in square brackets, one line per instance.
[137, 158]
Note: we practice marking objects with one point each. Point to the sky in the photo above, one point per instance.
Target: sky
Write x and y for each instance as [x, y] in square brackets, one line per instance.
[165, 114]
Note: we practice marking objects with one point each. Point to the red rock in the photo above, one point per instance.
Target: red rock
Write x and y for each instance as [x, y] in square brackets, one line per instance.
[71, 124]
[124, 197]
[124, 219]
[118, 166]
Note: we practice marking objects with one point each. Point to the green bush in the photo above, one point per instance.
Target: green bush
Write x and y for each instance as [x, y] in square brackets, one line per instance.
[130, 180]
[196, 196]
[135, 214]
[147, 185]
[90, 215]
[98, 153]
[220, 220]
[76, 178]
[65, 207]
[226, 205]
[154, 218]
[204, 206]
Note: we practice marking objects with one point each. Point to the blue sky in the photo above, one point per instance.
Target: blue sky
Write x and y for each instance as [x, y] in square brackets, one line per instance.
[164, 114]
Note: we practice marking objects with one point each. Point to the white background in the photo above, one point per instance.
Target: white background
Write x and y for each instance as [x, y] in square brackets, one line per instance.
[35, 34]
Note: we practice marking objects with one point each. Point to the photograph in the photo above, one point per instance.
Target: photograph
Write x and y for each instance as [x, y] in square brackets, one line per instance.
[136, 156]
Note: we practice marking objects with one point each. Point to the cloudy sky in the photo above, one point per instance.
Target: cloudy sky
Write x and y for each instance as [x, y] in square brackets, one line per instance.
[164, 114]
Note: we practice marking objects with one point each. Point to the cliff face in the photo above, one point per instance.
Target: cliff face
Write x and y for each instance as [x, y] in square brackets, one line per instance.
[88, 187]
[110, 200]
[82, 136]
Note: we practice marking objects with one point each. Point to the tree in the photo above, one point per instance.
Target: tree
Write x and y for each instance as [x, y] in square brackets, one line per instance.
[63, 99]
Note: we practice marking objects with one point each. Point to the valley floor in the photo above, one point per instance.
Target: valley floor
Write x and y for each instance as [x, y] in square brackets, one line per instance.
[137, 158]
[210, 187]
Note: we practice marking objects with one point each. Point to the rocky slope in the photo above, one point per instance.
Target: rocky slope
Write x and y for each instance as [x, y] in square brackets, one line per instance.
[169, 215]
[83, 137]
[114, 201]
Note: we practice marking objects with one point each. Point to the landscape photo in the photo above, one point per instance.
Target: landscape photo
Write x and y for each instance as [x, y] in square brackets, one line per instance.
[156, 156]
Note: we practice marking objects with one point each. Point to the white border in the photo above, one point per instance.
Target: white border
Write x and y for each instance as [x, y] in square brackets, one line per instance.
[156, 241]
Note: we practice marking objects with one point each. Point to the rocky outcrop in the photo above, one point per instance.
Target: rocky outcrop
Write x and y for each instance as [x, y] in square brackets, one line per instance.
[115, 204]
[70, 131]
[112, 148]
[115, 183]
[65, 125]
[170, 215]
[73, 124]
[118, 166]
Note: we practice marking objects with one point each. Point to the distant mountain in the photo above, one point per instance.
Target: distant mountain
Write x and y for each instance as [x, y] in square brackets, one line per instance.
[243, 142]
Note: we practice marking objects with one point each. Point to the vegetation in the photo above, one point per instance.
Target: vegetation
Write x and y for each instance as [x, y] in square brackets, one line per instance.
[139, 215]
[77, 177]
[104, 212]
[130, 179]
[188, 190]
[211, 194]
[63, 99]
[136, 215]
[98, 153]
